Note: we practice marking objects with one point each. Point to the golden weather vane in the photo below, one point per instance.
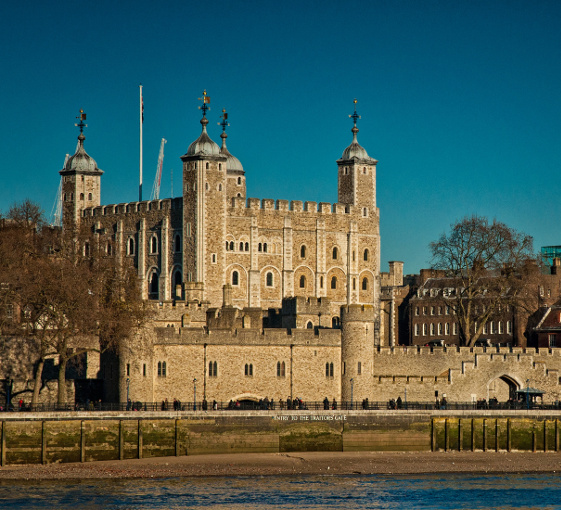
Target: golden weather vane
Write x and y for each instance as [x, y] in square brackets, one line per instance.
[82, 118]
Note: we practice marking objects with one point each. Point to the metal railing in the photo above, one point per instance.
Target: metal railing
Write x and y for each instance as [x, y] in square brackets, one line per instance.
[296, 405]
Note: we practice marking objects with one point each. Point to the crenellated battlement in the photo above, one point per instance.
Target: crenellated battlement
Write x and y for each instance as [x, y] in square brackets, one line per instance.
[250, 337]
[293, 206]
[358, 313]
[126, 208]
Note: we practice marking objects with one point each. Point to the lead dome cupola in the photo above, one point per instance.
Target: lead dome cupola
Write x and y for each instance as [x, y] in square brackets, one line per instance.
[204, 145]
[81, 161]
[232, 163]
[355, 150]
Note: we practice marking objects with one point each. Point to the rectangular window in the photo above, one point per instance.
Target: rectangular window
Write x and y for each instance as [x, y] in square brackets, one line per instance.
[509, 327]
[128, 369]
[432, 329]
[144, 370]
[424, 330]
[455, 328]
[424, 310]
[501, 328]
[491, 328]
[447, 328]
[432, 310]
[359, 369]
[552, 340]
[440, 328]
[416, 310]
[416, 330]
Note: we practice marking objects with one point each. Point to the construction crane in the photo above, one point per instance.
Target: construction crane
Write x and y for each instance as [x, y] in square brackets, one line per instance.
[157, 181]
[56, 211]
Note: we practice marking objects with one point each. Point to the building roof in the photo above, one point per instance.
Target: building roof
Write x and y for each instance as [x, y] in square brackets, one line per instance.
[81, 161]
[203, 145]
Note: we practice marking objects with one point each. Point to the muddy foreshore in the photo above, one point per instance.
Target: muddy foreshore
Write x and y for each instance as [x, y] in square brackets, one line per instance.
[305, 463]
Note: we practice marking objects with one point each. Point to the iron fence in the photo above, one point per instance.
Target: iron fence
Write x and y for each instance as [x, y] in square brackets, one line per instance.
[296, 405]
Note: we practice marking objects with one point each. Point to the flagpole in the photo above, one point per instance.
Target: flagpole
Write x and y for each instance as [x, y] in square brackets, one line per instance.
[141, 121]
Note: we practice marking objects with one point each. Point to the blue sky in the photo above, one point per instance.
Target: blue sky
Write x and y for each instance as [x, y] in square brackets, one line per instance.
[460, 102]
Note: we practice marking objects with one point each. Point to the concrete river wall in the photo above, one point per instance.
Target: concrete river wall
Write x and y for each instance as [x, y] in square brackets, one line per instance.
[90, 436]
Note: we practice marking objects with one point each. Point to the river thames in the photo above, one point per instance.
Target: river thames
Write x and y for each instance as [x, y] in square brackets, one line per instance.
[448, 491]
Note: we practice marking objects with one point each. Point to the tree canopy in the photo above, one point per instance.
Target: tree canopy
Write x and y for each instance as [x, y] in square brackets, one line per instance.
[486, 260]
[68, 301]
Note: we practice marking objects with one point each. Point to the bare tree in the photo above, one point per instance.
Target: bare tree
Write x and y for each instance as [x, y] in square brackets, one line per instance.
[485, 261]
[69, 301]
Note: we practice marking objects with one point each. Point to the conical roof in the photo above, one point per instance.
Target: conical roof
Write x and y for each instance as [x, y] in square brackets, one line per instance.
[81, 161]
[203, 145]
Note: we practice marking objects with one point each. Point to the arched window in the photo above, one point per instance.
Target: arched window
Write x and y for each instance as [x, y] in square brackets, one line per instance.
[219, 166]
[220, 187]
[335, 322]
[235, 278]
[335, 253]
[81, 196]
[303, 251]
[366, 254]
[327, 370]
[248, 369]
[265, 247]
[239, 181]
[177, 278]
[86, 249]
[365, 284]
[206, 166]
[154, 244]
[321, 282]
[246, 246]
[90, 196]
[302, 282]
[260, 247]
[213, 369]
[241, 246]
[154, 287]
[109, 249]
[310, 325]
[334, 282]
[269, 279]
[130, 246]
[231, 245]
[281, 370]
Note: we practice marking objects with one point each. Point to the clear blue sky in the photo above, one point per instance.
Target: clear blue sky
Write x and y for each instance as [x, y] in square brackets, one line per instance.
[460, 102]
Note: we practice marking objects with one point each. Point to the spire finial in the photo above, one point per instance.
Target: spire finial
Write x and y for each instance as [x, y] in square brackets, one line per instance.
[206, 100]
[224, 122]
[81, 124]
[224, 125]
[355, 116]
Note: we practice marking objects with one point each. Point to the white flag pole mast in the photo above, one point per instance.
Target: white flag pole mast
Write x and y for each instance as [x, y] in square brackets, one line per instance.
[141, 119]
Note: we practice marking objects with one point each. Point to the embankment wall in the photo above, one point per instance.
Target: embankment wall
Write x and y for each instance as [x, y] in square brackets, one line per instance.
[28, 438]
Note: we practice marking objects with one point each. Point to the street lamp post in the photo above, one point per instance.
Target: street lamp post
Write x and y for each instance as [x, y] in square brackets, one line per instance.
[195, 394]
[352, 387]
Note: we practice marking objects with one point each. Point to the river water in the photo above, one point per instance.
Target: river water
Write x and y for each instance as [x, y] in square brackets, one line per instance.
[452, 491]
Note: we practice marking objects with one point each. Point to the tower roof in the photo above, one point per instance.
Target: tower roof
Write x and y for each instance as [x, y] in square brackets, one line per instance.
[81, 161]
[203, 145]
[233, 164]
[355, 150]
